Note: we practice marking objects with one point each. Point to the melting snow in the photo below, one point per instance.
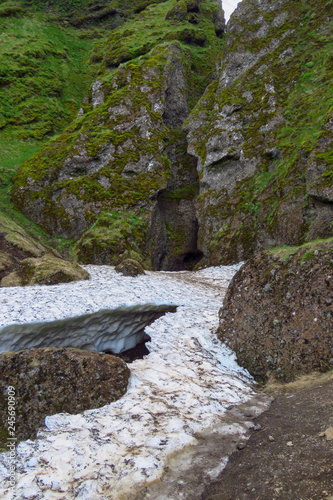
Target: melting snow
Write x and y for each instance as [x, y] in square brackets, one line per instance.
[176, 401]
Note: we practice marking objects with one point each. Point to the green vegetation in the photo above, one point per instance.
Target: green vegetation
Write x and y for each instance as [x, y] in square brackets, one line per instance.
[113, 157]
[115, 236]
[306, 252]
[282, 103]
[43, 78]
[45, 48]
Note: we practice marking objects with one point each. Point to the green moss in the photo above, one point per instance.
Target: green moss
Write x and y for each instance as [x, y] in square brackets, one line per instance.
[183, 193]
[306, 252]
[115, 236]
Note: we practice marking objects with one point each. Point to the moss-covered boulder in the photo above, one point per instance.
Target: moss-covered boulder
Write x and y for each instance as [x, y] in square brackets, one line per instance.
[278, 316]
[46, 270]
[115, 236]
[130, 267]
[25, 260]
[49, 381]
[262, 132]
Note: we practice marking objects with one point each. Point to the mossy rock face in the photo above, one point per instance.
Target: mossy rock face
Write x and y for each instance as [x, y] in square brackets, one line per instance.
[50, 380]
[130, 267]
[277, 315]
[25, 260]
[115, 156]
[262, 133]
[113, 238]
[178, 12]
[112, 158]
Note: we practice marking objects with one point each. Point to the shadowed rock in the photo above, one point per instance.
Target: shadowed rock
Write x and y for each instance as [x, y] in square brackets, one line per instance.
[277, 314]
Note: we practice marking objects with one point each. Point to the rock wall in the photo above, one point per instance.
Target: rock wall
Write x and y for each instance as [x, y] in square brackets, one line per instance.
[262, 132]
[277, 315]
[125, 154]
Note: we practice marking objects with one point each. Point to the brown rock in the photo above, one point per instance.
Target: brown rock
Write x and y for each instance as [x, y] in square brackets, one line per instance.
[130, 267]
[277, 314]
[49, 381]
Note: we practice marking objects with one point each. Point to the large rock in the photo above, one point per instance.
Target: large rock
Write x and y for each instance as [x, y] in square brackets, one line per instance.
[130, 267]
[25, 260]
[48, 381]
[262, 132]
[278, 316]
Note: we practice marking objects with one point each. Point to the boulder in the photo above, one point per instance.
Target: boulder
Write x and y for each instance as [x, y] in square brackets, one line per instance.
[49, 381]
[25, 260]
[130, 267]
[277, 314]
[46, 270]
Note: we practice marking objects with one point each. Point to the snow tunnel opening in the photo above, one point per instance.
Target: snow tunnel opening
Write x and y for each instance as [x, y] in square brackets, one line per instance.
[139, 351]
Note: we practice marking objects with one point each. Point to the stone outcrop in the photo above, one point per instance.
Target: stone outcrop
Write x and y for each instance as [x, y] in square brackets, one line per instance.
[262, 132]
[130, 267]
[24, 260]
[277, 315]
[49, 381]
[125, 156]
[114, 330]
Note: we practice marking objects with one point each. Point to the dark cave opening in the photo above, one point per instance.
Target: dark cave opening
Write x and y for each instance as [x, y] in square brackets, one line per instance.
[137, 352]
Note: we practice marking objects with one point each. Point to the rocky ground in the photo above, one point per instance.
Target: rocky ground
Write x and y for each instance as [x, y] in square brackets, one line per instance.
[291, 454]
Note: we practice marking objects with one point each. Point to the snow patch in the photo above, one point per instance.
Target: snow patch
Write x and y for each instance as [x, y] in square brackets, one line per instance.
[179, 393]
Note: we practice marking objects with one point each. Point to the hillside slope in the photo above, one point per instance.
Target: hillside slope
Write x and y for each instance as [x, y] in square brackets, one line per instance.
[45, 71]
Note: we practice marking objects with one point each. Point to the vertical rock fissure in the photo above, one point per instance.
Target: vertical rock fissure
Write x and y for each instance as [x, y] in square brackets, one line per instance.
[174, 228]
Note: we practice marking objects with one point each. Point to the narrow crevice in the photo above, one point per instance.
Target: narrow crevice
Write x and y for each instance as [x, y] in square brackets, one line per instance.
[138, 352]
[174, 230]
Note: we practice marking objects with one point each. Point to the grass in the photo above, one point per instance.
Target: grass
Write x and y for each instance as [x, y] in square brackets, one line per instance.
[302, 382]
[43, 78]
[283, 253]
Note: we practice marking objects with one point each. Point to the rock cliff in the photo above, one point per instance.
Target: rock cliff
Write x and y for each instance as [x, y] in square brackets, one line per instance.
[119, 179]
[262, 132]
[193, 143]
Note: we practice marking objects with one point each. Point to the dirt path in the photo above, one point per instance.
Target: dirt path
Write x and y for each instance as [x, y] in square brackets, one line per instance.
[289, 457]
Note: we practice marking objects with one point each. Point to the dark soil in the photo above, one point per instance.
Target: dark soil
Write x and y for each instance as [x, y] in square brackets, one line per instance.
[289, 457]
